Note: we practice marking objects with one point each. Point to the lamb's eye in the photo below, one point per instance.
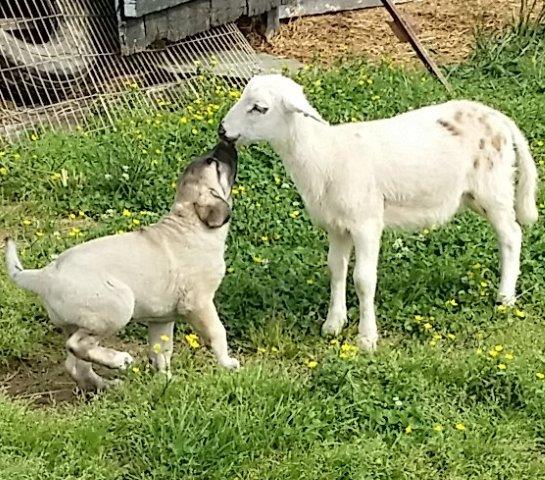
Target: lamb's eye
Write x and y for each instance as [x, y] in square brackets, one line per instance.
[258, 109]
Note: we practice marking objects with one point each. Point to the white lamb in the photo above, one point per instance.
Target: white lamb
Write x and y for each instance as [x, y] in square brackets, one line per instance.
[413, 170]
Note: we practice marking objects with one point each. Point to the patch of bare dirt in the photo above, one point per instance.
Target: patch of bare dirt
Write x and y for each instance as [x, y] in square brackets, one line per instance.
[43, 381]
[446, 28]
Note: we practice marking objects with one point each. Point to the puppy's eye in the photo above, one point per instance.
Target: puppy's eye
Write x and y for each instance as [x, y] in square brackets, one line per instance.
[258, 109]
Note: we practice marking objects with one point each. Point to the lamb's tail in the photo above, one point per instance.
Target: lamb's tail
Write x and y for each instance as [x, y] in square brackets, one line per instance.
[27, 279]
[525, 195]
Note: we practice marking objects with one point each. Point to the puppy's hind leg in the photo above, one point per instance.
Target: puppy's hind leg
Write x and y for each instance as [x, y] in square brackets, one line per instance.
[86, 378]
[160, 341]
[85, 346]
[207, 322]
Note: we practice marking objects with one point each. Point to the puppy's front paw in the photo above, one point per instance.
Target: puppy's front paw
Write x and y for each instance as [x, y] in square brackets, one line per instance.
[230, 363]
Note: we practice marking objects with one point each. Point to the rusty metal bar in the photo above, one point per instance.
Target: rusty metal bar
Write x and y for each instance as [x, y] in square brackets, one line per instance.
[415, 43]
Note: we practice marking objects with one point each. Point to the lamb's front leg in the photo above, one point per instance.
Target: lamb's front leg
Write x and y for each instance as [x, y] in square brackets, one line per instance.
[207, 323]
[340, 247]
[367, 245]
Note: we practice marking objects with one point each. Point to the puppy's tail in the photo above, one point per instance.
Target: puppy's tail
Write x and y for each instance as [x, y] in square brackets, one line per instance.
[27, 279]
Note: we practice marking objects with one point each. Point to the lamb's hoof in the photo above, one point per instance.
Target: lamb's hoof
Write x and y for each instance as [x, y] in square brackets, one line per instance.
[230, 363]
[333, 326]
[507, 300]
[367, 343]
[123, 360]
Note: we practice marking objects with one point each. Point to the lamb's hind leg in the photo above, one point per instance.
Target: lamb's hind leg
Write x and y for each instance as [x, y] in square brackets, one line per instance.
[340, 247]
[501, 216]
[85, 346]
[510, 240]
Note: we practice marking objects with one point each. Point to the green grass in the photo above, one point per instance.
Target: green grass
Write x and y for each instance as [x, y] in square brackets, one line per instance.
[431, 403]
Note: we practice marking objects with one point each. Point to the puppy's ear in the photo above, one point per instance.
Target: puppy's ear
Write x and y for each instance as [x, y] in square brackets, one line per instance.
[214, 214]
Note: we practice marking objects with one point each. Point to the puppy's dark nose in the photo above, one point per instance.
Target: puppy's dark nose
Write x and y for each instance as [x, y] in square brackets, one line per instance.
[221, 133]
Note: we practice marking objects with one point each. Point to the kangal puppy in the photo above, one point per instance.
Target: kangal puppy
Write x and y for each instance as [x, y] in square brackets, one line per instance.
[413, 170]
[155, 275]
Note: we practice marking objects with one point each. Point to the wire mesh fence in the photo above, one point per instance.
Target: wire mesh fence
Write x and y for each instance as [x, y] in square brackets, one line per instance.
[60, 66]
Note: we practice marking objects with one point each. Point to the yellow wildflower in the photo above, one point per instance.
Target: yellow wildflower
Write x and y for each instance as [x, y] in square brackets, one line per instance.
[418, 318]
[194, 131]
[26, 222]
[156, 348]
[484, 284]
[502, 366]
[136, 370]
[72, 216]
[334, 342]
[460, 426]
[295, 214]
[261, 350]
[4, 171]
[39, 234]
[348, 351]
[501, 308]
[479, 351]
[274, 349]
[120, 232]
[498, 348]
[451, 336]
[452, 302]
[408, 429]
[540, 375]
[34, 137]
[192, 340]
[126, 213]
[438, 428]
[427, 326]
[311, 363]
[509, 356]
[135, 221]
[165, 338]
[183, 120]
[519, 313]
[493, 353]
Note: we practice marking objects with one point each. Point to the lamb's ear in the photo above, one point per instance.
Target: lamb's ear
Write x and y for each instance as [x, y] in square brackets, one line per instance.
[299, 104]
[214, 214]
